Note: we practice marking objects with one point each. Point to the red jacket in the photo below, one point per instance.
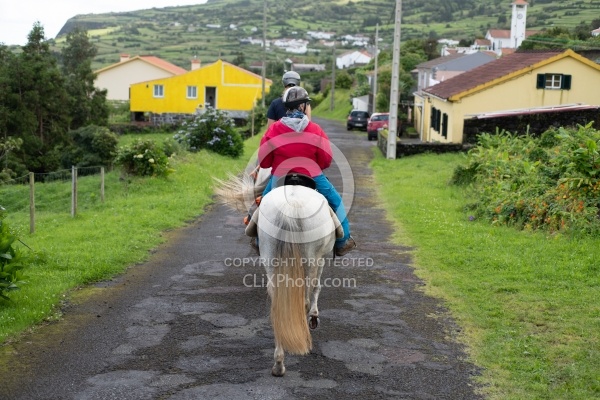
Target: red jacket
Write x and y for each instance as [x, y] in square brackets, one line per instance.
[308, 152]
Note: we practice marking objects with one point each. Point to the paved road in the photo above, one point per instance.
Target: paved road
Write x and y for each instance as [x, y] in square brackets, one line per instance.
[186, 325]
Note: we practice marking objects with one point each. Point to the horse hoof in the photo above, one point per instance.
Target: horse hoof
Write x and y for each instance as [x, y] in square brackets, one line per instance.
[278, 371]
[313, 322]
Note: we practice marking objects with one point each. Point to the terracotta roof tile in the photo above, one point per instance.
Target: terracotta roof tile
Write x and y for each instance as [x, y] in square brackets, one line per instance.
[500, 33]
[163, 64]
[488, 72]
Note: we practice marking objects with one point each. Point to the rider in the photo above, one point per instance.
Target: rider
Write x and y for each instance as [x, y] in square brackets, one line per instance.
[294, 144]
[277, 109]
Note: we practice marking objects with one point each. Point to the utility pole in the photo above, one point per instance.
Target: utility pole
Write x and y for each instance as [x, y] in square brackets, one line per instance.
[264, 60]
[332, 91]
[374, 105]
[395, 95]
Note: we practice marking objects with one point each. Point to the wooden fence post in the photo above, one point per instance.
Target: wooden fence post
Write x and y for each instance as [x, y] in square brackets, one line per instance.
[31, 202]
[73, 191]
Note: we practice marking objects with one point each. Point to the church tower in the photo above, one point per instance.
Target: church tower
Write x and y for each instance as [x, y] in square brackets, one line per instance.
[517, 24]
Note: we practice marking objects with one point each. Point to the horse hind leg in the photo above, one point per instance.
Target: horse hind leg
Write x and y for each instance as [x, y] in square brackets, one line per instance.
[278, 368]
[315, 286]
[279, 355]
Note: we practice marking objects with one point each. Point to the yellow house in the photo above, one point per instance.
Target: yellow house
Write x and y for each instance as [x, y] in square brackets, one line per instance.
[219, 85]
[518, 83]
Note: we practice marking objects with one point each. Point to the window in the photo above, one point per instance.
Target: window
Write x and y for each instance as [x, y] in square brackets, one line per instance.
[159, 91]
[436, 119]
[553, 81]
[445, 125]
[192, 92]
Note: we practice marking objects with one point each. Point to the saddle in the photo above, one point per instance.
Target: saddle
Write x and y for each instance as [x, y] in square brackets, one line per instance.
[296, 179]
[289, 179]
[251, 220]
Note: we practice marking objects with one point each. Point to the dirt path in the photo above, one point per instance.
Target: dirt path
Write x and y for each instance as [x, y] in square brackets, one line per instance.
[189, 324]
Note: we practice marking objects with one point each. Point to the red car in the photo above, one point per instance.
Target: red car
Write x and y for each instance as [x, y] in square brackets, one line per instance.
[376, 122]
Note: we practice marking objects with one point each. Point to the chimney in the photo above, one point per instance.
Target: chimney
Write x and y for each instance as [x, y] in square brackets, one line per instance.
[124, 57]
[195, 64]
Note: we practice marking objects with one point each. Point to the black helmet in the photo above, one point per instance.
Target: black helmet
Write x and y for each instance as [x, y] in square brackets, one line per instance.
[295, 96]
[291, 78]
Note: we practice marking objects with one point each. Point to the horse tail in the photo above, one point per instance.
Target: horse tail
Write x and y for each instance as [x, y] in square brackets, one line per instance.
[288, 313]
[237, 192]
[240, 192]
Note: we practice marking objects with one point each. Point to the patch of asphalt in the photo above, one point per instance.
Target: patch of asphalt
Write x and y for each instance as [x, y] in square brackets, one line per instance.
[189, 324]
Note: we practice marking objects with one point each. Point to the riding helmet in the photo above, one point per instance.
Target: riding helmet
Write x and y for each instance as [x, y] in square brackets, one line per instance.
[295, 96]
[291, 78]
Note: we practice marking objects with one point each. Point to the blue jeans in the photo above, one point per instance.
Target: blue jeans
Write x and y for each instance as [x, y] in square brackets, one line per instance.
[334, 199]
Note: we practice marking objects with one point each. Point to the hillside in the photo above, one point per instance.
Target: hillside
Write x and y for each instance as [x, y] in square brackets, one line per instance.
[214, 30]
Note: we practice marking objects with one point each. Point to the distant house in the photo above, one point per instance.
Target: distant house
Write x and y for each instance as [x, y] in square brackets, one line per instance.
[308, 67]
[596, 32]
[116, 78]
[440, 69]
[219, 85]
[352, 59]
[516, 84]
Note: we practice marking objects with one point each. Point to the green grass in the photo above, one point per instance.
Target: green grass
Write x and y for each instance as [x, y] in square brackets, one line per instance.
[527, 301]
[342, 106]
[105, 238]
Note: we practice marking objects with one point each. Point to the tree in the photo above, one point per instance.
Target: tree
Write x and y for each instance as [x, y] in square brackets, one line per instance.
[87, 103]
[39, 105]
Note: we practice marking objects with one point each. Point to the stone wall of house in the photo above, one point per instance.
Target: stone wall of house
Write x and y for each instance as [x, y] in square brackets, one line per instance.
[534, 124]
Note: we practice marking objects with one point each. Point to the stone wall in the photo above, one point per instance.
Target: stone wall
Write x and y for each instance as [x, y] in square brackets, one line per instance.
[408, 147]
[534, 124]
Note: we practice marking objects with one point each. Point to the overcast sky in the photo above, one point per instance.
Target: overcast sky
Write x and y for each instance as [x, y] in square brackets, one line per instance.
[18, 16]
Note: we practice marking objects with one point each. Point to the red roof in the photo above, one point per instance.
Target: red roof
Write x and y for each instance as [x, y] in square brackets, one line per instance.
[163, 64]
[489, 72]
[505, 33]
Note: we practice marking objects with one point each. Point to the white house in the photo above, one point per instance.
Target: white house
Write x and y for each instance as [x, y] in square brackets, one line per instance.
[353, 58]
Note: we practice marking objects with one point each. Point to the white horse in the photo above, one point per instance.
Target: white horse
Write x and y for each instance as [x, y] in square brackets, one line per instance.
[296, 230]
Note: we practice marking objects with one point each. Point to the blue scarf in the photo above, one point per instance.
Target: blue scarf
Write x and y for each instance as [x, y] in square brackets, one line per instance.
[295, 114]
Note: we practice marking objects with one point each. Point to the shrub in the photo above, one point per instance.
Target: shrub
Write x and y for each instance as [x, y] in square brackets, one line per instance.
[343, 80]
[12, 261]
[212, 130]
[90, 146]
[550, 183]
[143, 158]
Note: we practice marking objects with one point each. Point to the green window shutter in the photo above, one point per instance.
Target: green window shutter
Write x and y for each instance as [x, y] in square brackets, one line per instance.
[541, 81]
[566, 82]
[445, 125]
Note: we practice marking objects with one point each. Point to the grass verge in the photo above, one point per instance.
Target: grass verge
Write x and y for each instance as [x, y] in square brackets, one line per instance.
[526, 300]
[105, 238]
[342, 106]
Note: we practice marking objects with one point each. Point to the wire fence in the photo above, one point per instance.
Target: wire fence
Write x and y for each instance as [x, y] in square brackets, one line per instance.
[63, 191]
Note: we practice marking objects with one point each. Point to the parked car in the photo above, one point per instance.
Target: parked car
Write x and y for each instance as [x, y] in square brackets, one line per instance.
[357, 119]
[376, 122]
